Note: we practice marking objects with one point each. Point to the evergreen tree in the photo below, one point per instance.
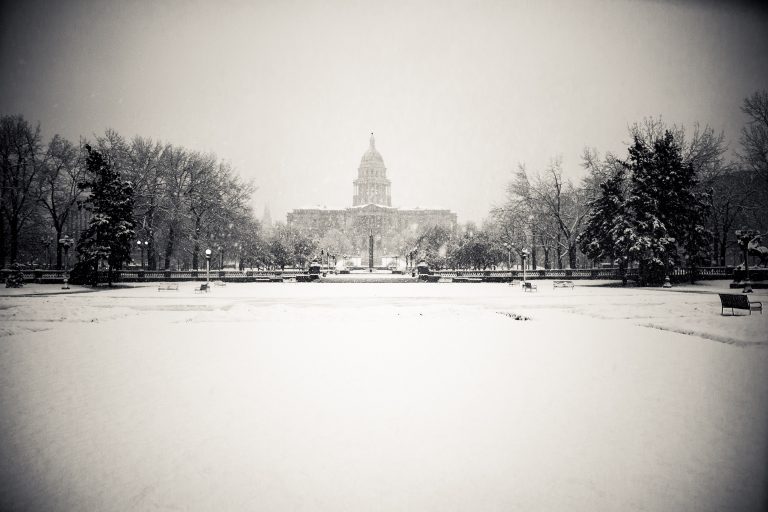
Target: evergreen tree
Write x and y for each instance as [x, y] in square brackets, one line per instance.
[668, 213]
[645, 235]
[598, 240]
[110, 231]
[660, 216]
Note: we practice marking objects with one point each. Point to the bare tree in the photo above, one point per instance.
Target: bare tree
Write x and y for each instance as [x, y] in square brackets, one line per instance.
[557, 208]
[754, 136]
[59, 192]
[520, 219]
[178, 171]
[21, 163]
[146, 172]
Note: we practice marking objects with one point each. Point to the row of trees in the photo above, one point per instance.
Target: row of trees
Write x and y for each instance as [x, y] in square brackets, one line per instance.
[182, 200]
[675, 199]
[181, 203]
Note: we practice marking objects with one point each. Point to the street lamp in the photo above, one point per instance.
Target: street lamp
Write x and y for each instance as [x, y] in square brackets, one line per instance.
[142, 244]
[525, 255]
[745, 237]
[66, 242]
[208, 266]
[509, 260]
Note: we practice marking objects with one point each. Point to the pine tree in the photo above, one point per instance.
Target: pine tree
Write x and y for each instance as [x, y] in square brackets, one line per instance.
[110, 231]
[667, 213]
[646, 235]
[598, 240]
[660, 217]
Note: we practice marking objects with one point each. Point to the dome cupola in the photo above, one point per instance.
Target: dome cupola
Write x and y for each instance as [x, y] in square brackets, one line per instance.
[372, 155]
[371, 185]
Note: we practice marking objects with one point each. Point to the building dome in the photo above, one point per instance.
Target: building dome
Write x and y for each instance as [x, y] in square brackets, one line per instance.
[372, 156]
[371, 185]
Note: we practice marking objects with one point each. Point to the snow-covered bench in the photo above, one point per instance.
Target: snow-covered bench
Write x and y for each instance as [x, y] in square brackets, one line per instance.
[735, 301]
[529, 287]
[202, 288]
[562, 284]
[167, 286]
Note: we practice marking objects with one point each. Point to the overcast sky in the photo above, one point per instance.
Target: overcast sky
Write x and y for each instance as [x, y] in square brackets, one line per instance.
[457, 93]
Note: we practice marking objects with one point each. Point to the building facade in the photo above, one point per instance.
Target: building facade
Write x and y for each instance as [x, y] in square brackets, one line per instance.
[371, 213]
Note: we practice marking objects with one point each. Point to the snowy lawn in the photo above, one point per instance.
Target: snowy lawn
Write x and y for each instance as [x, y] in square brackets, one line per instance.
[329, 396]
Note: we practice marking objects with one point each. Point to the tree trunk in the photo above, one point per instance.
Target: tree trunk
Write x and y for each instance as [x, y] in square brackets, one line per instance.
[572, 256]
[723, 249]
[59, 255]
[169, 249]
[14, 253]
[151, 252]
[196, 247]
[623, 264]
[2, 239]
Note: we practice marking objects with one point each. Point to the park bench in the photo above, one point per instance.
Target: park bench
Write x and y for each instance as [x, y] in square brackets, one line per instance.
[562, 284]
[735, 301]
[167, 286]
[202, 288]
[529, 287]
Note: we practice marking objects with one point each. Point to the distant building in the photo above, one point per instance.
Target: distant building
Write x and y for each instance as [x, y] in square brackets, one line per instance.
[371, 213]
[266, 220]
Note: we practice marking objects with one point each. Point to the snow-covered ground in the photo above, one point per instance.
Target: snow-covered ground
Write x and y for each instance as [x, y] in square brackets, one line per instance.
[330, 396]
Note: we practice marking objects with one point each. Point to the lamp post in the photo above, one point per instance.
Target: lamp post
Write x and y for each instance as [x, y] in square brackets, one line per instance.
[509, 260]
[208, 266]
[141, 245]
[370, 251]
[525, 255]
[745, 237]
[66, 242]
[532, 251]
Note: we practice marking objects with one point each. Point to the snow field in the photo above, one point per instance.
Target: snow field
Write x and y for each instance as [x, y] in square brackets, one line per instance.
[380, 397]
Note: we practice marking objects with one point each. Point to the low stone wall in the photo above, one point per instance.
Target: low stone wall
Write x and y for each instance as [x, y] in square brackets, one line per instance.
[487, 276]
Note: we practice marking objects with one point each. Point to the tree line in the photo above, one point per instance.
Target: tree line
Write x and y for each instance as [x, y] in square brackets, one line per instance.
[182, 202]
[675, 199]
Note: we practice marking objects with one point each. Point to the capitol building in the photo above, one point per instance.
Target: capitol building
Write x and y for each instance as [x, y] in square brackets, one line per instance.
[371, 214]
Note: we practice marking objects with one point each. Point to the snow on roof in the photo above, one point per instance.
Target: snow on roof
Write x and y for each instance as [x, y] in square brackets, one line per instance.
[377, 205]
